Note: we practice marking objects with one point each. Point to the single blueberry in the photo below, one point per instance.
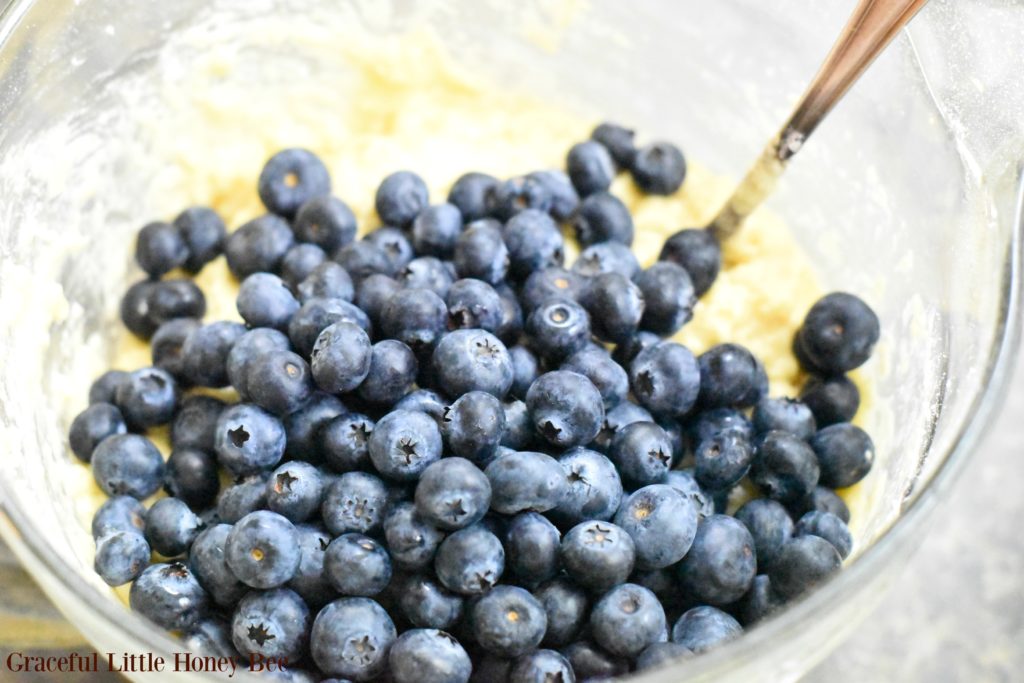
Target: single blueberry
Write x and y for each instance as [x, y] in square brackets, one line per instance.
[618, 140]
[508, 621]
[400, 198]
[590, 167]
[480, 252]
[785, 414]
[598, 555]
[593, 488]
[300, 261]
[659, 168]
[669, 297]
[566, 408]
[615, 305]
[280, 382]
[428, 656]
[273, 624]
[566, 606]
[127, 464]
[666, 379]
[344, 442]
[373, 295]
[206, 352]
[532, 545]
[351, 638]
[169, 596]
[209, 565]
[559, 328]
[525, 481]
[167, 344]
[261, 550]
[728, 376]
[250, 345]
[470, 561]
[291, 178]
[540, 666]
[427, 272]
[294, 491]
[515, 195]
[92, 426]
[837, 335]
[534, 242]
[723, 460]
[247, 494]
[607, 257]
[403, 444]
[511, 315]
[248, 439]
[118, 513]
[326, 281]
[473, 304]
[395, 245]
[357, 565]
[627, 619]
[704, 628]
[435, 230]
[411, 540]
[602, 217]
[258, 246]
[427, 605]
[827, 526]
[769, 525]
[803, 563]
[525, 369]
[472, 360]
[355, 501]
[473, 426]
[698, 252]
[452, 494]
[325, 221]
[564, 198]
[393, 369]
[160, 248]
[147, 397]
[662, 522]
[785, 468]
[642, 452]
[174, 298]
[309, 580]
[204, 232]
[721, 563]
[134, 309]
[415, 317]
[549, 283]
[845, 453]
[171, 527]
[120, 557]
[363, 258]
[340, 359]
[518, 434]
[469, 194]
[831, 399]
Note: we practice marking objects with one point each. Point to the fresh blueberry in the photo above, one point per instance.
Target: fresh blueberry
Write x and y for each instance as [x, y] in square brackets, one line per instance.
[167, 344]
[728, 377]
[92, 426]
[547, 284]
[721, 563]
[169, 596]
[246, 495]
[415, 317]
[831, 399]
[262, 550]
[248, 439]
[666, 379]
[395, 245]
[473, 304]
[424, 401]
[403, 444]
[769, 525]
[602, 217]
[658, 168]
[698, 252]
[803, 563]
[591, 663]
[784, 467]
[280, 382]
[469, 194]
[525, 369]
[118, 513]
[473, 426]
[356, 501]
[823, 499]
[759, 602]
[175, 298]
[657, 655]
[351, 638]
[566, 407]
[127, 464]
[160, 248]
[564, 198]
[209, 565]
[541, 666]
[147, 397]
[523, 480]
[607, 257]
[428, 272]
[704, 628]
[598, 555]
[845, 453]
[316, 315]
[340, 357]
[827, 526]
[662, 522]
[480, 252]
[303, 427]
[518, 434]
[428, 656]
[470, 561]
[685, 482]
[669, 297]
[325, 221]
[134, 309]
[273, 624]
[171, 527]
[435, 230]
[615, 305]
[393, 369]
[515, 195]
[559, 328]
[452, 494]
[326, 281]
[212, 636]
[427, 605]
[104, 387]
[627, 619]
[785, 414]
[258, 246]
[206, 352]
[710, 422]
[472, 360]
[618, 140]
[309, 579]
[508, 621]
[534, 242]
[532, 546]
[596, 364]
[264, 300]
[249, 346]
[357, 565]
[400, 198]
[591, 168]
[723, 460]
[566, 606]
[627, 350]
[294, 491]
[204, 232]
[120, 557]
[837, 335]
[373, 295]
[642, 453]
[593, 488]
[300, 261]
[363, 258]
[625, 413]
[344, 441]
[411, 539]
[291, 178]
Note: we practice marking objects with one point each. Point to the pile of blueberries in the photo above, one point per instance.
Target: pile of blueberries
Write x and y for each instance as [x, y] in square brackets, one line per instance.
[436, 470]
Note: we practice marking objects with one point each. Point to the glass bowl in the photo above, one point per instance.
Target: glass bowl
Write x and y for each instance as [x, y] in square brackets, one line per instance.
[909, 195]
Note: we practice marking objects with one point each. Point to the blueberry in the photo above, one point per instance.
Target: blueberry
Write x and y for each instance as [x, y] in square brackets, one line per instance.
[357, 565]
[615, 305]
[669, 297]
[473, 426]
[525, 369]
[508, 621]
[363, 258]
[120, 557]
[564, 198]
[662, 522]
[118, 513]
[91, 426]
[625, 413]
[515, 195]
[532, 545]
[209, 565]
[566, 407]
[280, 382]
[351, 638]
[591, 663]
[291, 178]
[590, 167]
[294, 491]
[784, 414]
[395, 245]
[206, 353]
[658, 168]
[127, 464]
[547, 284]
[630, 348]
[618, 140]
[167, 343]
[559, 328]
[704, 628]
[344, 441]
[452, 494]
[845, 453]
[698, 252]
[593, 488]
[728, 376]
[511, 315]
[522, 481]
[541, 666]
[316, 315]
[721, 563]
[415, 317]
[356, 501]
[392, 372]
[823, 499]
[602, 217]
[723, 460]
[803, 563]
[262, 550]
[566, 606]
[134, 309]
[473, 304]
[472, 360]
[469, 194]
[374, 293]
[403, 444]
[171, 527]
[249, 346]
[309, 579]
[607, 257]
[258, 246]
[425, 401]
[518, 434]
[211, 636]
[598, 555]
[627, 619]
[534, 242]
[435, 230]
[596, 364]
[264, 300]
[300, 261]
[759, 602]
[666, 379]
[104, 388]
[160, 248]
[770, 526]
[147, 397]
[831, 399]
[175, 298]
[827, 526]
[203, 232]
[246, 495]
[480, 252]
[658, 655]
[341, 357]
[427, 605]
[169, 596]
[785, 468]
[303, 427]
[428, 656]
[325, 221]
[274, 624]
[685, 482]
[248, 439]
[837, 335]
[411, 539]
[470, 561]
[710, 422]
[400, 198]
[427, 272]
[642, 453]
